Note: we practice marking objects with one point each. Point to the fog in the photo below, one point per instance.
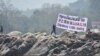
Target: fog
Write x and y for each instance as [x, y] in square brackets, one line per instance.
[33, 4]
[38, 15]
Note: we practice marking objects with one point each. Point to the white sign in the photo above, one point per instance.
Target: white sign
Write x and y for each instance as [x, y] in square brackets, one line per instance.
[73, 23]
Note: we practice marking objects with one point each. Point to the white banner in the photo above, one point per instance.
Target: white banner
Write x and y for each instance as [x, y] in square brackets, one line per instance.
[73, 23]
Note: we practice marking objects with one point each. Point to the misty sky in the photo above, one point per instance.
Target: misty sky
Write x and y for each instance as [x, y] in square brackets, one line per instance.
[32, 4]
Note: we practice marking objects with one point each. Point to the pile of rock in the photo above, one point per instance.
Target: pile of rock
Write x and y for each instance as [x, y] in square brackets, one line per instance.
[66, 44]
[16, 44]
[43, 44]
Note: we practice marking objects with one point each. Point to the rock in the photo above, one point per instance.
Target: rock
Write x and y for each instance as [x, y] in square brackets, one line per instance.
[15, 34]
[95, 31]
[16, 44]
[97, 54]
[43, 44]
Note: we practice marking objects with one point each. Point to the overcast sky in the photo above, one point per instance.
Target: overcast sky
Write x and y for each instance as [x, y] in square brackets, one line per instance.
[32, 4]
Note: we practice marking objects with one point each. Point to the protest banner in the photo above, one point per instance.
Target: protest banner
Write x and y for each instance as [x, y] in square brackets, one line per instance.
[73, 23]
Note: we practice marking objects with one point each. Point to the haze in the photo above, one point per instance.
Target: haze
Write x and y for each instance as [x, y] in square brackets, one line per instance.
[14, 15]
[32, 4]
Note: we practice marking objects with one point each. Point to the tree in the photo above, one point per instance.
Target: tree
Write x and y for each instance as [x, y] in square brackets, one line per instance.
[11, 18]
[4, 12]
